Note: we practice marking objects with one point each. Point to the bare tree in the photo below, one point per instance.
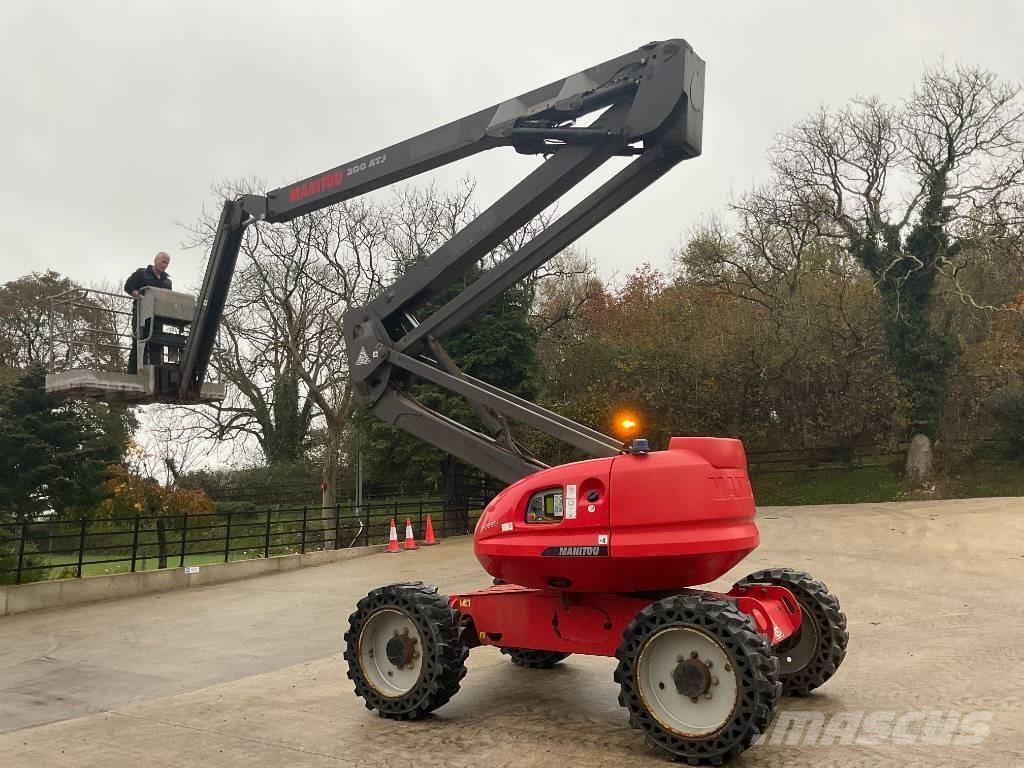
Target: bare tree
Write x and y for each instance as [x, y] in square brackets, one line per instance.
[563, 290]
[83, 327]
[281, 343]
[918, 194]
[169, 446]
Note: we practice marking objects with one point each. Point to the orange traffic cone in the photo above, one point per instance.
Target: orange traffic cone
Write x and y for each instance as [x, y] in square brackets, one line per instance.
[393, 538]
[410, 542]
[429, 539]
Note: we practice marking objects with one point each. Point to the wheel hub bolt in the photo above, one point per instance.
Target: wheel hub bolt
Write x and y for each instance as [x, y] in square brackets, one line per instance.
[401, 650]
[694, 655]
[692, 679]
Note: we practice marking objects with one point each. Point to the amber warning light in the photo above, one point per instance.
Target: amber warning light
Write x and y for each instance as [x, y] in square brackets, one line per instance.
[626, 423]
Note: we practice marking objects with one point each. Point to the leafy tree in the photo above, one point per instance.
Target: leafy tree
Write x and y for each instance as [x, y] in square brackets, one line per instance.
[81, 320]
[816, 358]
[53, 455]
[132, 493]
[801, 368]
[916, 194]
[259, 486]
[959, 142]
[24, 310]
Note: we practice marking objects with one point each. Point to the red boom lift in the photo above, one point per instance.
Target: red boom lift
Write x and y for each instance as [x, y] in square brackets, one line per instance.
[597, 557]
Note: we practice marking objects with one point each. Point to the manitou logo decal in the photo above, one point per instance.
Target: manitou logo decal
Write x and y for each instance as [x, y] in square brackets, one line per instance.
[315, 186]
[575, 552]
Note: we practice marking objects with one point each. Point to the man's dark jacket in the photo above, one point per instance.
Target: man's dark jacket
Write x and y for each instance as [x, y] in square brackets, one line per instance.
[145, 277]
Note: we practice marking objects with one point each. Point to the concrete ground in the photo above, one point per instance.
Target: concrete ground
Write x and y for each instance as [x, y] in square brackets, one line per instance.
[250, 673]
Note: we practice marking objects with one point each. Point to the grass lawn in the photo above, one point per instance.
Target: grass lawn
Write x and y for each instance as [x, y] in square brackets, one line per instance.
[976, 479]
[92, 568]
[984, 478]
[827, 486]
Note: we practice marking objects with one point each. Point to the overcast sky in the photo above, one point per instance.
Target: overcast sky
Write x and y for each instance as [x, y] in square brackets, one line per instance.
[118, 116]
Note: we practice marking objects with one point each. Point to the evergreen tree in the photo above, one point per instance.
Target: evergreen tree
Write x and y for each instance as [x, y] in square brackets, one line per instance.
[54, 454]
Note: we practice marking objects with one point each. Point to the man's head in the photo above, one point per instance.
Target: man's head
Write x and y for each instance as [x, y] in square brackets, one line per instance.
[160, 263]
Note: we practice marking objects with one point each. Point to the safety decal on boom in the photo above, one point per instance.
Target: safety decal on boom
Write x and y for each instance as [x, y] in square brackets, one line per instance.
[362, 358]
[600, 551]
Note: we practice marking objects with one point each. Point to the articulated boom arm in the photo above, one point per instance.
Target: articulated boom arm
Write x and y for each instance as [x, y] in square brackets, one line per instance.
[652, 102]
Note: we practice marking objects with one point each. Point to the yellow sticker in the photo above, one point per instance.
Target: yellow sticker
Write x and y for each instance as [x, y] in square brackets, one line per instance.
[483, 635]
[464, 602]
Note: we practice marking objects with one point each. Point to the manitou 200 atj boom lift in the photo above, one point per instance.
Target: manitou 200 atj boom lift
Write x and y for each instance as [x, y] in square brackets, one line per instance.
[596, 557]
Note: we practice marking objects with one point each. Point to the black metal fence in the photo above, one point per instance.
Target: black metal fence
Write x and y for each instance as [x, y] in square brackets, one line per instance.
[53, 549]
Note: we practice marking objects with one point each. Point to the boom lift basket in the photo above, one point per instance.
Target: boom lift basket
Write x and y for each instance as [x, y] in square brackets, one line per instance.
[90, 332]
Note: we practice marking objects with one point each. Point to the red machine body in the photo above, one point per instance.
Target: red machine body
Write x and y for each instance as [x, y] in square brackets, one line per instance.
[636, 522]
[583, 547]
[509, 616]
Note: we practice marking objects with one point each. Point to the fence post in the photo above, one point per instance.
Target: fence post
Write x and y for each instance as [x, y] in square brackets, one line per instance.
[81, 545]
[366, 528]
[227, 539]
[21, 550]
[337, 525]
[419, 520]
[184, 538]
[266, 538]
[135, 541]
[305, 516]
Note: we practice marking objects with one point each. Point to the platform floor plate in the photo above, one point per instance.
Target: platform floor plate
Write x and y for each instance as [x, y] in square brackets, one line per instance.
[117, 387]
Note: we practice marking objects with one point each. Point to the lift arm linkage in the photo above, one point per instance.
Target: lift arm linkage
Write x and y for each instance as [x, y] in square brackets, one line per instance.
[652, 102]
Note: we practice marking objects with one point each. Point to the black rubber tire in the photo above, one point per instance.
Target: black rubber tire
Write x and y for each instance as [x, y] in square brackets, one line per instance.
[821, 608]
[444, 656]
[757, 672]
[524, 657]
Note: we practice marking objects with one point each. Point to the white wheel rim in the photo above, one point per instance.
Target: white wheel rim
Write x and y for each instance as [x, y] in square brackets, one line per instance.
[390, 679]
[682, 715]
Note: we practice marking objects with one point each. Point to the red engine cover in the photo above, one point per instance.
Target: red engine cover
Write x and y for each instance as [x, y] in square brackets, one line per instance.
[628, 523]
